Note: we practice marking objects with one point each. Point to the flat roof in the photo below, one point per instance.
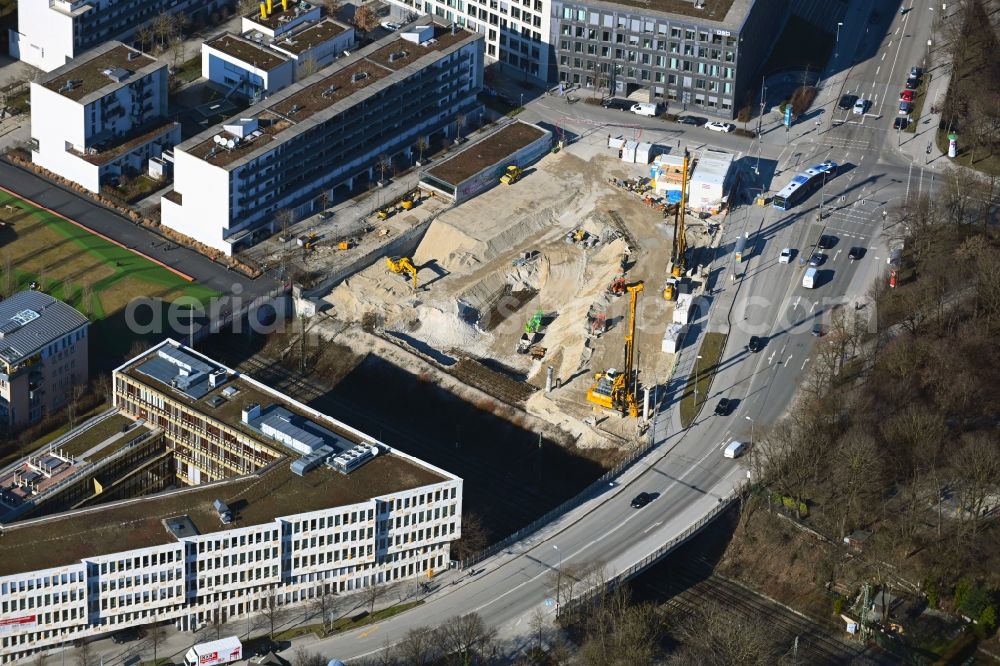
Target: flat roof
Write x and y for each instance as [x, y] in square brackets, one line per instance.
[729, 12]
[87, 72]
[131, 140]
[312, 36]
[486, 152]
[256, 500]
[247, 51]
[316, 95]
[401, 52]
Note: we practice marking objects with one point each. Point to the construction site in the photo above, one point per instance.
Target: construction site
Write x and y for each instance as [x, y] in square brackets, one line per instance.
[557, 279]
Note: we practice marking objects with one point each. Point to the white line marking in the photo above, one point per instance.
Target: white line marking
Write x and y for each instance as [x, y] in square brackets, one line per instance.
[877, 69]
[771, 357]
[653, 526]
[813, 307]
[788, 360]
[804, 364]
[836, 254]
[883, 56]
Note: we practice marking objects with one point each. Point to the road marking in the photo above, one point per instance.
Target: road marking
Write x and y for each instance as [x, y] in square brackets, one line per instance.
[365, 634]
[654, 525]
[788, 360]
[796, 303]
[883, 56]
[836, 254]
[771, 357]
[877, 70]
[804, 364]
[813, 307]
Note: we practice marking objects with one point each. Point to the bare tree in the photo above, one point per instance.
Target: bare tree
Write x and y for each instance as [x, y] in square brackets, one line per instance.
[245, 7]
[272, 611]
[422, 145]
[303, 657]
[85, 655]
[163, 27]
[73, 402]
[9, 278]
[308, 67]
[384, 164]
[324, 603]
[156, 635]
[977, 464]
[713, 635]
[418, 648]
[459, 124]
[284, 219]
[620, 632]
[373, 593]
[177, 50]
[332, 7]
[466, 639]
[475, 537]
[365, 18]
[538, 623]
[144, 38]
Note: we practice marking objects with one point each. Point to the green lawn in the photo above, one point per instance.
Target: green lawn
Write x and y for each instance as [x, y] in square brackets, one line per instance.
[93, 275]
[705, 368]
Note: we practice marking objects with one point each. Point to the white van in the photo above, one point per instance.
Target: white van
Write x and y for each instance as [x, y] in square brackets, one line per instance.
[734, 450]
[646, 109]
[809, 279]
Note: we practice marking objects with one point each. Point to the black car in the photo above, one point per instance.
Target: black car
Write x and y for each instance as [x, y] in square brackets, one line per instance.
[127, 635]
[916, 72]
[817, 259]
[616, 103]
[641, 500]
[722, 408]
[691, 120]
[847, 102]
[856, 253]
[817, 329]
[912, 84]
[900, 123]
[826, 242]
[755, 344]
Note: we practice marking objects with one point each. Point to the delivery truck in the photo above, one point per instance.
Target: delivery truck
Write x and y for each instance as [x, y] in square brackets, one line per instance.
[222, 651]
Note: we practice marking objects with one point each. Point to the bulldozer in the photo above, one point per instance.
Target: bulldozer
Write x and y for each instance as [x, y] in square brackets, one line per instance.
[400, 265]
[512, 174]
[613, 389]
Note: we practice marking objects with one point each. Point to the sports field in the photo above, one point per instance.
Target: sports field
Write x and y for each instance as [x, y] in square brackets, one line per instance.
[93, 275]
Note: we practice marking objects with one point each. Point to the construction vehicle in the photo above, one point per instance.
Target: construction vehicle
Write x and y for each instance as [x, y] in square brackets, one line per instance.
[511, 175]
[680, 239]
[670, 291]
[616, 390]
[527, 340]
[345, 245]
[534, 325]
[617, 286]
[400, 265]
[384, 213]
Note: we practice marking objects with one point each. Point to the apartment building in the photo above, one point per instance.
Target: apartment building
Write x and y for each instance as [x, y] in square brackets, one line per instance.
[43, 355]
[323, 133]
[277, 46]
[276, 503]
[703, 55]
[102, 116]
[52, 32]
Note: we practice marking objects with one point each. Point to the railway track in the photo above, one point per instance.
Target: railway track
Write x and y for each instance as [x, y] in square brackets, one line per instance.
[511, 495]
[687, 590]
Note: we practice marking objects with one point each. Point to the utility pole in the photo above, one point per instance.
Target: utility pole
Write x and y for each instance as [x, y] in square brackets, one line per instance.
[558, 580]
[302, 344]
[697, 379]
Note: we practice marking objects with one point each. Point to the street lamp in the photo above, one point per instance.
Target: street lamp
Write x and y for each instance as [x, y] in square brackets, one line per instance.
[838, 31]
[558, 579]
[751, 430]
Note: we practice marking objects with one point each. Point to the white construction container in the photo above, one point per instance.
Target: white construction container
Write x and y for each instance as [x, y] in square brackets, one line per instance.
[682, 310]
[673, 339]
[645, 152]
[616, 142]
[628, 151]
[708, 184]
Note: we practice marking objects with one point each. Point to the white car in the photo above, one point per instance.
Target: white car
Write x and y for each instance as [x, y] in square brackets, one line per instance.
[785, 256]
[390, 26]
[720, 127]
[860, 106]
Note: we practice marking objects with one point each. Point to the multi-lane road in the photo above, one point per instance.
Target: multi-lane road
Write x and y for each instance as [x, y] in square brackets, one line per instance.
[687, 472]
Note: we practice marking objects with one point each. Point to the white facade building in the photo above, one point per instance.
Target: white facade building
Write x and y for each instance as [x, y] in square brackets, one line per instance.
[104, 114]
[322, 133]
[52, 32]
[300, 526]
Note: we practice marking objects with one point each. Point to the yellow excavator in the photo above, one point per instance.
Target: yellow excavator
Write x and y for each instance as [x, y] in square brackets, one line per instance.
[613, 389]
[402, 265]
[680, 236]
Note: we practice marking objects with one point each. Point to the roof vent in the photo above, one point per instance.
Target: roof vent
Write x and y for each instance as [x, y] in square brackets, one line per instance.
[329, 91]
[132, 55]
[358, 76]
[398, 55]
[295, 109]
[69, 85]
[250, 412]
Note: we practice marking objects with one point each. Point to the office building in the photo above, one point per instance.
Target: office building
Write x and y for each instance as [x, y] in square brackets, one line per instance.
[102, 116]
[52, 32]
[294, 150]
[275, 48]
[221, 497]
[43, 355]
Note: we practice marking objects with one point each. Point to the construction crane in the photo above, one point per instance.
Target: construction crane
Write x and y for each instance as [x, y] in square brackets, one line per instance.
[613, 389]
[402, 265]
[680, 239]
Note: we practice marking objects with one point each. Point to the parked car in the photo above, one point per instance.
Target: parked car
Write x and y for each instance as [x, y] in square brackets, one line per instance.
[785, 256]
[860, 106]
[916, 72]
[616, 103]
[734, 450]
[641, 500]
[722, 408]
[825, 242]
[900, 123]
[847, 102]
[906, 96]
[817, 329]
[856, 253]
[905, 108]
[912, 83]
[720, 127]
[646, 109]
[390, 26]
[817, 259]
[691, 120]
[755, 344]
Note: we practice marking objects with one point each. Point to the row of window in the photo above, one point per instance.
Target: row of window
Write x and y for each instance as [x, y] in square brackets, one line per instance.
[40, 601]
[226, 561]
[11, 587]
[140, 562]
[647, 25]
[124, 600]
[136, 581]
